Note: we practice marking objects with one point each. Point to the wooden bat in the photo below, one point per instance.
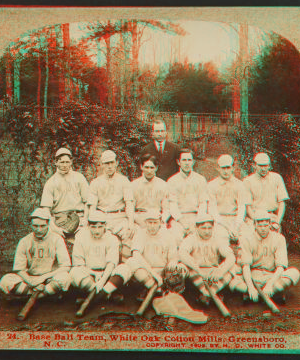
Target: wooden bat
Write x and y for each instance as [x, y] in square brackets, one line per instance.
[267, 299]
[86, 303]
[27, 307]
[219, 303]
[147, 300]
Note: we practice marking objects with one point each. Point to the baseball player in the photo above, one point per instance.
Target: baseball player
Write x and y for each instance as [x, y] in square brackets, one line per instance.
[65, 195]
[111, 194]
[202, 250]
[267, 190]
[149, 191]
[229, 197]
[33, 268]
[263, 260]
[153, 250]
[188, 194]
[95, 254]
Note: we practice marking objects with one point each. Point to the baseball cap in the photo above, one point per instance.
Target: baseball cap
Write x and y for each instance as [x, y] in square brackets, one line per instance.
[261, 215]
[153, 214]
[40, 213]
[225, 160]
[63, 151]
[108, 156]
[97, 216]
[262, 159]
[203, 218]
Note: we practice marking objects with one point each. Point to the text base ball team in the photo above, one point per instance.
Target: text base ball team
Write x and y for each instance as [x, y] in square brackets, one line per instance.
[149, 227]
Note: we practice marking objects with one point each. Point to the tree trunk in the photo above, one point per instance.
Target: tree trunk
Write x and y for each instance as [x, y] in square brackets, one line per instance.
[9, 87]
[243, 37]
[38, 98]
[108, 70]
[17, 64]
[66, 60]
[46, 81]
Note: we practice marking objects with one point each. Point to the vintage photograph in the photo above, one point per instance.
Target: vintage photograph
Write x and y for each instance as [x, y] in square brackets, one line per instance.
[150, 179]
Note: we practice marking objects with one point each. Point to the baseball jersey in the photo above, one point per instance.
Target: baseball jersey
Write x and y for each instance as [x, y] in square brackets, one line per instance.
[95, 253]
[150, 194]
[229, 195]
[38, 256]
[208, 253]
[110, 194]
[65, 192]
[157, 249]
[186, 193]
[266, 191]
[263, 253]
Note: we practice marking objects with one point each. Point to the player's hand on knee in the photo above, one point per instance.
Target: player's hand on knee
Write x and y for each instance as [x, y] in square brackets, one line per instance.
[253, 293]
[97, 275]
[36, 280]
[40, 287]
[99, 286]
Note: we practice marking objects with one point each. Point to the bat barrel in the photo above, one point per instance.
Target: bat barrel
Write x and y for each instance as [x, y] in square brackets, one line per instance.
[86, 303]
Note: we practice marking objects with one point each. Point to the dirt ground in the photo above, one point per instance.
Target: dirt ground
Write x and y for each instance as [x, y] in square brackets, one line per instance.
[50, 315]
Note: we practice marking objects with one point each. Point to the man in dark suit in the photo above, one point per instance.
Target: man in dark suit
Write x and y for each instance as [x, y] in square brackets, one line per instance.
[165, 151]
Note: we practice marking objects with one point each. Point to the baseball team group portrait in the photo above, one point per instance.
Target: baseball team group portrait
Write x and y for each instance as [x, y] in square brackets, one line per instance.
[150, 177]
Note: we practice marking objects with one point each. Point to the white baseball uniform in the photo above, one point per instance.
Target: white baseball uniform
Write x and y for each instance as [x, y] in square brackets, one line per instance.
[266, 192]
[264, 255]
[90, 256]
[37, 257]
[188, 196]
[109, 196]
[158, 250]
[208, 255]
[230, 197]
[147, 195]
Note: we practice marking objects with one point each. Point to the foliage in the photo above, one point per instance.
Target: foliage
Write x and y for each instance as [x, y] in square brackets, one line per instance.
[279, 137]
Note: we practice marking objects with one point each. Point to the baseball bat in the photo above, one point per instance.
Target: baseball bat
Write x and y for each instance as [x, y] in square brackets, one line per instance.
[267, 299]
[147, 300]
[219, 303]
[86, 303]
[27, 307]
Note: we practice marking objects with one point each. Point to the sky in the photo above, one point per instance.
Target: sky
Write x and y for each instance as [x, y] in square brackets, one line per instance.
[204, 42]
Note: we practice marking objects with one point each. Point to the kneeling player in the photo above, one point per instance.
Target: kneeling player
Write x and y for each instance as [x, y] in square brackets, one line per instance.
[153, 250]
[34, 259]
[202, 250]
[95, 254]
[264, 261]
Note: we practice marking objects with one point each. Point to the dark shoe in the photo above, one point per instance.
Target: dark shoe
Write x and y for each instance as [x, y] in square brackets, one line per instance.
[280, 298]
[203, 299]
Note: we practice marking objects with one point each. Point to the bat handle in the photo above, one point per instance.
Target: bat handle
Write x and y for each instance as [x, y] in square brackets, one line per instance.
[147, 300]
[25, 311]
[86, 303]
[266, 299]
[219, 303]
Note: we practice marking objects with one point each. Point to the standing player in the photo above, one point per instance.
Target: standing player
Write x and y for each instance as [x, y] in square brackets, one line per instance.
[264, 260]
[267, 190]
[202, 251]
[95, 254]
[65, 195]
[165, 151]
[34, 261]
[229, 197]
[111, 194]
[188, 193]
[153, 250]
[149, 191]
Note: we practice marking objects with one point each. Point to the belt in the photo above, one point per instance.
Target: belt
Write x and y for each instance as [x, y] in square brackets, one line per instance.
[113, 211]
[140, 210]
[189, 212]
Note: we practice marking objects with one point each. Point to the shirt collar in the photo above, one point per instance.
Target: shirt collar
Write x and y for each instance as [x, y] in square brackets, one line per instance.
[222, 181]
[186, 176]
[145, 181]
[157, 144]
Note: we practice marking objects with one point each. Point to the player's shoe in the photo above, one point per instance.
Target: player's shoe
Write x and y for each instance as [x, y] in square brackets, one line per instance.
[246, 297]
[142, 295]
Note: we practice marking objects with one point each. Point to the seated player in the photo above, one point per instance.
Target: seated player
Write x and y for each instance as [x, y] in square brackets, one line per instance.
[111, 194]
[264, 260]
[65, 195]
[188, 193]
[149, 191]
[201, 252]
[95, 254]
[153, 250]
[36, 253]
[229, 198]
